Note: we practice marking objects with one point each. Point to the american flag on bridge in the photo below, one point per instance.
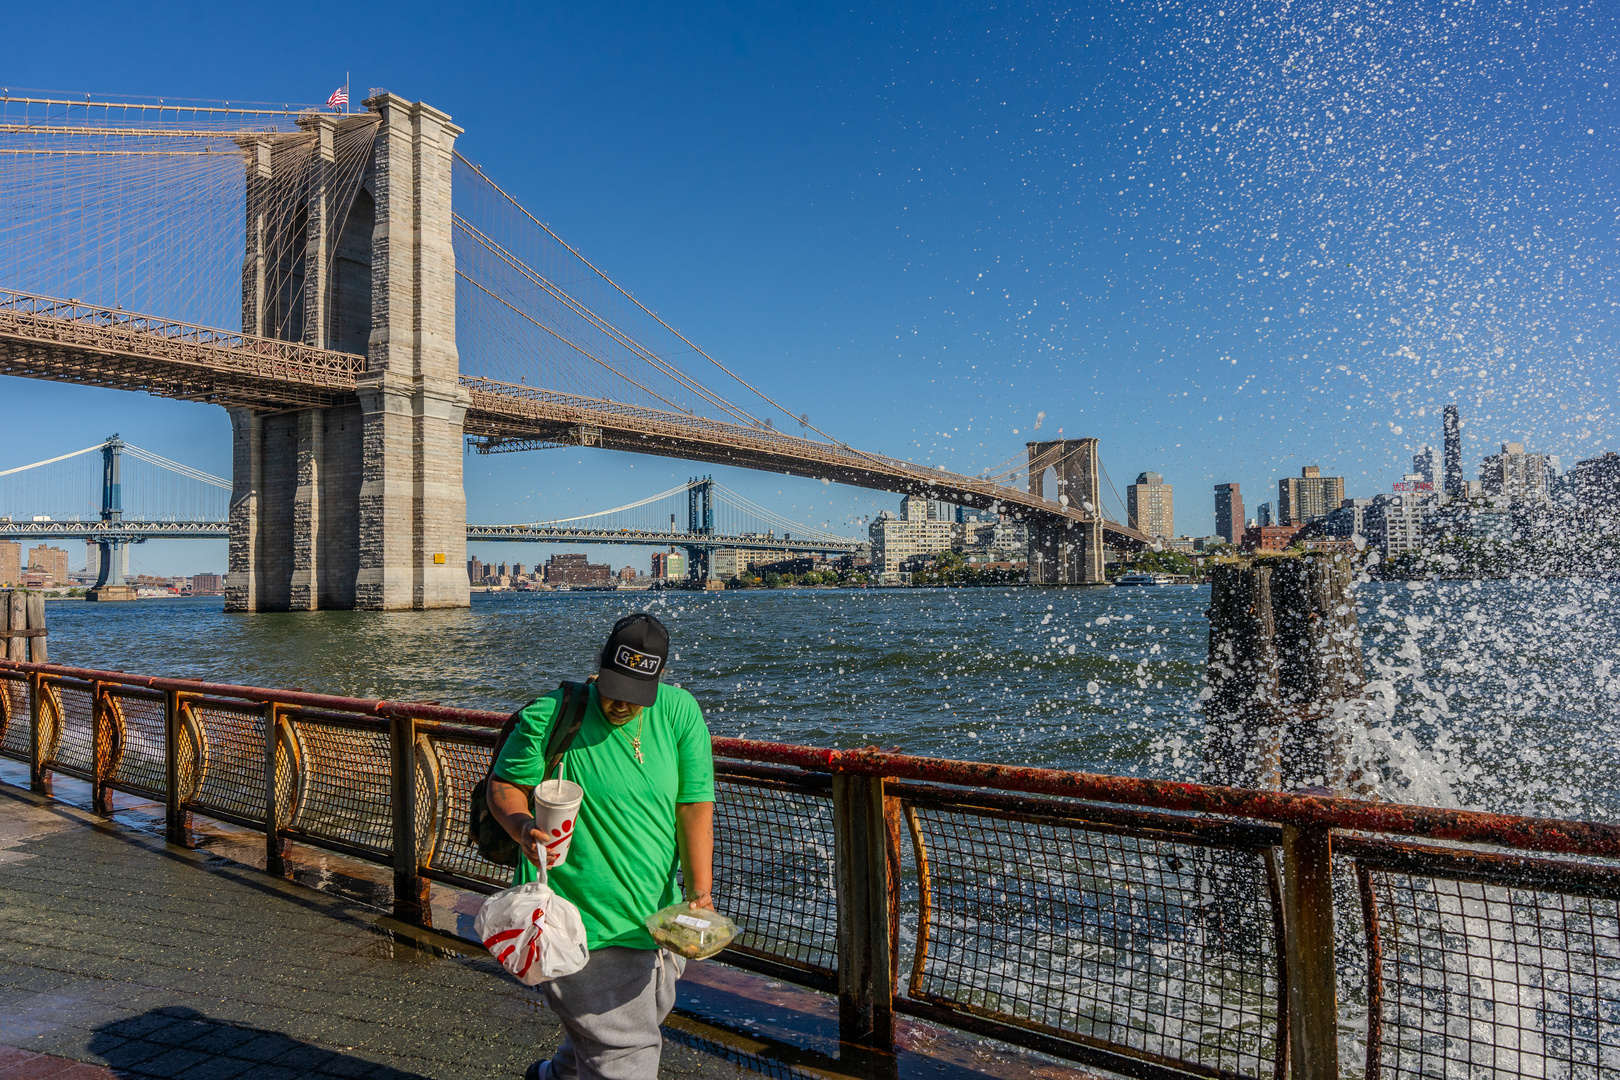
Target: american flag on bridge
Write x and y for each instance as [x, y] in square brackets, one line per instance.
[339, 98]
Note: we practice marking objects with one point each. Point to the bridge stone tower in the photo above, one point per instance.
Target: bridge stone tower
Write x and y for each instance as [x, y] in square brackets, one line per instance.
[349, 248]
[1067, 552]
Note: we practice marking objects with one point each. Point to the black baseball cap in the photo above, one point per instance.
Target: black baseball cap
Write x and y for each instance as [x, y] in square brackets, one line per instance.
[633, 660]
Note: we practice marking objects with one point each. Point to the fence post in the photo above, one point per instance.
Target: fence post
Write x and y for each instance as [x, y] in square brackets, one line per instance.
[272, 826]
[39, 780]
[861, 867]
[1313, 1006]
[35, 614]
[16, 620]
[410, 888]
[100, 791]
[174, 826]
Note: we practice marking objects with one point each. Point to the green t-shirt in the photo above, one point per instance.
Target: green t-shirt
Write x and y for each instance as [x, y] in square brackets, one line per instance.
[622, 861]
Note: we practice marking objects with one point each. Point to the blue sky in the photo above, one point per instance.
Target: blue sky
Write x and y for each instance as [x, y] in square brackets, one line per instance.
[1227, 240]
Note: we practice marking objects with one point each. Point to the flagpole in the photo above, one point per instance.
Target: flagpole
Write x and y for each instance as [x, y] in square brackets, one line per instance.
[346, 89]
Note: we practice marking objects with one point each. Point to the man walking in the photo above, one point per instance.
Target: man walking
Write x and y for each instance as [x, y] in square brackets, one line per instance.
[642, 756]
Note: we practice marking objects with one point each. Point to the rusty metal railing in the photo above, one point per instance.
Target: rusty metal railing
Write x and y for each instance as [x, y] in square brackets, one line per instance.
[1154, 929]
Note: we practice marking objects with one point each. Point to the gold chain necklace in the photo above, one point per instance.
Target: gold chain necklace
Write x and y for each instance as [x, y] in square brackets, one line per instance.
[635, 740]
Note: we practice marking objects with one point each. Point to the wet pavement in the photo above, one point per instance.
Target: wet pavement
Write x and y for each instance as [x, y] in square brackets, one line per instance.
[159, 960]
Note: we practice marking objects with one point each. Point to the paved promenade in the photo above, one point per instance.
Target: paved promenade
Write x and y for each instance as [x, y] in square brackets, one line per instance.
[118, 950]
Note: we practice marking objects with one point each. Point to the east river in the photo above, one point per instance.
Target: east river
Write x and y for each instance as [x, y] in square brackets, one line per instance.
[1500, 695]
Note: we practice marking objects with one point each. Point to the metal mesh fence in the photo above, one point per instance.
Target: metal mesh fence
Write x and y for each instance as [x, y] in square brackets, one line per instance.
[75, 740]
[141, 763]
[774, 868]
[232, 774]
[461, 764]
[14, 719]
[1481, 979]
[1152, 946]
[343, 785]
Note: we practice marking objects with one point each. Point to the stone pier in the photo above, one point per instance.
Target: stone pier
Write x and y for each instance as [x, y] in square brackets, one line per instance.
[349, 248]
[1067, 552]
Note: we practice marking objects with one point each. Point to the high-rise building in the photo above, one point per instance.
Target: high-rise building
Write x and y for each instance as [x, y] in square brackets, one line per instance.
[10, 563]
[1307, 497]
[915, 508]
[1263, 515]
[1149, 505]
[668, 565]
[50, 561]
[1453, 441]
[1426, 463]
[1516, 474]
[1229, 513]
[475, 571]
[1596, 482]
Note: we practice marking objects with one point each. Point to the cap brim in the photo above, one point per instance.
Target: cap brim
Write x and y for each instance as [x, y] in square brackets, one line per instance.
[621, 687]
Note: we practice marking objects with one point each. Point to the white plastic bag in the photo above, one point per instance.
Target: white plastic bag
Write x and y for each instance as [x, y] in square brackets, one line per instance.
[534, 933]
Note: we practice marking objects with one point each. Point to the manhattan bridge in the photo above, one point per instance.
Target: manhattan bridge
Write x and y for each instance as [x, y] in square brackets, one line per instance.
[394, 303]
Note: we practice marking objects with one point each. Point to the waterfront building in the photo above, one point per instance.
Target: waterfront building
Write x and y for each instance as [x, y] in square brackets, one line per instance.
[669, 565]
[1426, 464]
[1149, 505]
[576, 569]
[1269, 537]
[11, 567]
[628, 573]
[207, 585]
[475, 571]
[1452, 424]
[1263, 515]
[1203, 544]
[1595, 482]
[728, 563]
[967, 515]
[1187, 545]
[1514, 474]
[1347, 521]
[1394, 523]
[894, 540]
[1307, 497]
[1229, 513]
[50, 561]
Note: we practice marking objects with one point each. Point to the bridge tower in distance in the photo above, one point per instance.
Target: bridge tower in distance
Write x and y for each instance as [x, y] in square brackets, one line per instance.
[356, 506]
[1065, 552]
[700, 522]
[110, 584]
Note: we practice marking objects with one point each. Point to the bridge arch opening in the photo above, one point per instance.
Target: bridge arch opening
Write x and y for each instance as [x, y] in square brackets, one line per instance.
[349, 303]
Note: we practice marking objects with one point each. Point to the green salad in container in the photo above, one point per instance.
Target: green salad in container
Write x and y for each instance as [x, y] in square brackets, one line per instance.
[695, 933]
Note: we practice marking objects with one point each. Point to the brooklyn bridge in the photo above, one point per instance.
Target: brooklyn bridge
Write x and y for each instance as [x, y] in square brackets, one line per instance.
[395, 304]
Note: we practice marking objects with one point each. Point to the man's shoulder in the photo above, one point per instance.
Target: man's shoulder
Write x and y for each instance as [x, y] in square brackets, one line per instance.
[677, 700]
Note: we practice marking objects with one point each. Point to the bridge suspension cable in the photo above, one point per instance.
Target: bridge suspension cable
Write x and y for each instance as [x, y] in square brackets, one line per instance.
[153, 488]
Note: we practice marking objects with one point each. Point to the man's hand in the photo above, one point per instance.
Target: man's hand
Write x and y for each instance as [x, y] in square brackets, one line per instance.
[533, 840]
[510, 805]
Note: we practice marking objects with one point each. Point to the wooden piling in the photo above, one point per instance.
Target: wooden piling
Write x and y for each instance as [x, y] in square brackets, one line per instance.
[1286, 677]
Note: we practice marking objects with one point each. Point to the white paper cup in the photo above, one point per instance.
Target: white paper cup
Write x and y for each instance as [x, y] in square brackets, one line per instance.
[556, 808]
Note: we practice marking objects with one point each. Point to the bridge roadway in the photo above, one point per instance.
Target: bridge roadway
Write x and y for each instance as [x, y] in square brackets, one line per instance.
[43, 337]
[135, 531]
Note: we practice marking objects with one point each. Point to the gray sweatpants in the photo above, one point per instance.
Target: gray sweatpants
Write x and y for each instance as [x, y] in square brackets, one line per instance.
[611, 1009]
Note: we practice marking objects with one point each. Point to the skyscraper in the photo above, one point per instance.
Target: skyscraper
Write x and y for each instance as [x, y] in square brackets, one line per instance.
[1310, 495]
[1149, 504]
[1453, 440]
[1426, 463]
[1229, 518]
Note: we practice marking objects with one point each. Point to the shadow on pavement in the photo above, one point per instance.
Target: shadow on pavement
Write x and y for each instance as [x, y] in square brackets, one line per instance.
[172, 1042]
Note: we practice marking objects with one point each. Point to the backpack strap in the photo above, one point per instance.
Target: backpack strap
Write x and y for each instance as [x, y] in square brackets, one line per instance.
[570, 715]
